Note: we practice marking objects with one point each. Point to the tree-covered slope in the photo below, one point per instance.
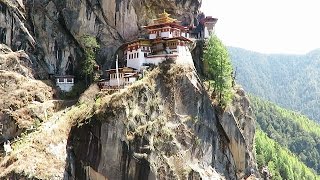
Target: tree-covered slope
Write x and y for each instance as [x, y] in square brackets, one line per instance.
[290, 129]
[281, 163]
[292, 81]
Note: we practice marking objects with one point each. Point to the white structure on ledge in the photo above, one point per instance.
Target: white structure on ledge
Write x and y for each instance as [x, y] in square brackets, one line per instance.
[65, 83]
[126, 77]
[167, 39]
[209, 24]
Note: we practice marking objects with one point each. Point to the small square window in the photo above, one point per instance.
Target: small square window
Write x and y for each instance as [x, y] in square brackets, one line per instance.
[69, 80]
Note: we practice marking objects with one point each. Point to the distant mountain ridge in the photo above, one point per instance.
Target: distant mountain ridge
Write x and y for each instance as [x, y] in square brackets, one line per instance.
[292, 81]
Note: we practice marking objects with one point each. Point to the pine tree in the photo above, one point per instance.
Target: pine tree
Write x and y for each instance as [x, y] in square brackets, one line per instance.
[218, 70]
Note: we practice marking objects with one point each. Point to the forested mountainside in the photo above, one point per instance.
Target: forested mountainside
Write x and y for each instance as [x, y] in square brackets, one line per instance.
[292, 81]
[280, 162]
[289, 129]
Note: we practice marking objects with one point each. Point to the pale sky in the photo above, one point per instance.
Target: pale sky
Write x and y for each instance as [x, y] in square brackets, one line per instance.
[268, 26]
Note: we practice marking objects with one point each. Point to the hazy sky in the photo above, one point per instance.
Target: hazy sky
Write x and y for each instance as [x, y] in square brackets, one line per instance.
[270, 26]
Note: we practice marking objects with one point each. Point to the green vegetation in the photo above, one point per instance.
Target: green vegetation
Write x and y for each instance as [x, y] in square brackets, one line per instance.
[90, 45]
[292, 81]
[218, 70]
[281, 163]
[290, 129]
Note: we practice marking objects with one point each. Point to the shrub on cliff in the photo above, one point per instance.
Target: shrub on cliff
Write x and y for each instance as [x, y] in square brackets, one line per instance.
[89, 44]
[218, 70]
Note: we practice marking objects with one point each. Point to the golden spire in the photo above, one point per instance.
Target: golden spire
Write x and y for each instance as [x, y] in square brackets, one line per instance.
[164, 14]
[164, 18]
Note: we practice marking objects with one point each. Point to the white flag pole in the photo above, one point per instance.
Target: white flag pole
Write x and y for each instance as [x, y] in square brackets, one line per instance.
[117, 71]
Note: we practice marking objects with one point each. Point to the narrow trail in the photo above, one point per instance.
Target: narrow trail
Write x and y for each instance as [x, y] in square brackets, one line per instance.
[63, 106]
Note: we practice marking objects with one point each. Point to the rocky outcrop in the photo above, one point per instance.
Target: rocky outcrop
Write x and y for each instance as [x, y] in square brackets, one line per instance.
[164, 132]
[239, 125]
[23, 99]
[237, 121]
[197, 56]
[162, 127]
[169, 131]
[13, 31]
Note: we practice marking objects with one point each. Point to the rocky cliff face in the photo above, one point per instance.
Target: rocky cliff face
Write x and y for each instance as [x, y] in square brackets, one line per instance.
[162, 127]
[45, 38]
[154, 132]
[50, 31]
[24, 100]
[239, 126]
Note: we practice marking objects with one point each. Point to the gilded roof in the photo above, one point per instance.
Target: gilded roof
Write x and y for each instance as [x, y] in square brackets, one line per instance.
[164, 18]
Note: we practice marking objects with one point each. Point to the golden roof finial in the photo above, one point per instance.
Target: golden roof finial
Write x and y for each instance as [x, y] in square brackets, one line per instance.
[164, 14]
[164, 18]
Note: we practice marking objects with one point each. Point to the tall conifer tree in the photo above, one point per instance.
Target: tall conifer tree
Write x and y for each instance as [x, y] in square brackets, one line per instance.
[218, 69]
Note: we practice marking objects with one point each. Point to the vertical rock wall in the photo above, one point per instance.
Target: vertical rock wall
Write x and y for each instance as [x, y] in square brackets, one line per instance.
[167, 131]
[51, 30]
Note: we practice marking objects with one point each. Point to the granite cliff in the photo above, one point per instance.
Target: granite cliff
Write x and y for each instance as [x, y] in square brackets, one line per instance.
[50, 31]
[162, 127]
[165, 126]
[24, 100]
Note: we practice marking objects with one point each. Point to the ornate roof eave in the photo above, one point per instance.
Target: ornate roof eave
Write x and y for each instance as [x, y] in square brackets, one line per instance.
[179, 37]
[173, 24]
[158, 40]
[134, 41]
[121, 70]
[211, 20]
[64, 76]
